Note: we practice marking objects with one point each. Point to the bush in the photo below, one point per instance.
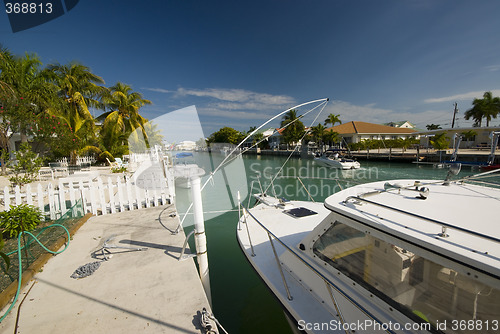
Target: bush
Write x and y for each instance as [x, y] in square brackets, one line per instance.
[118, 169]
[104, 155]
[27, 167]
[20, 218]
[4, 256]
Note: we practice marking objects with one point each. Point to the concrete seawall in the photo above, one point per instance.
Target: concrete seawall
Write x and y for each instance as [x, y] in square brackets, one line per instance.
[134, 291]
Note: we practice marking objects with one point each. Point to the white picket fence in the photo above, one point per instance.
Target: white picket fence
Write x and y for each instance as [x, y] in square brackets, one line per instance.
[151, 185]
[98, 197]
[79, 160]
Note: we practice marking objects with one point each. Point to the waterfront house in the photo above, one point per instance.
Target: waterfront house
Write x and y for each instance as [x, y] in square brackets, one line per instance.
[186, 145]
[355, 132]
[401, 124]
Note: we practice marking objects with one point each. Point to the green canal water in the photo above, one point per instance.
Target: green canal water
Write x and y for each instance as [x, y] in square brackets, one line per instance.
[241, 301]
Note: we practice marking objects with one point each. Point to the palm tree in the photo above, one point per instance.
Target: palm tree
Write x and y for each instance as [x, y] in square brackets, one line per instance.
[318, 133]
[30, 93]
[333, 119]
[332, 137]
[488, 107]
[439, 141]
[469, 136]
[433, 126]
[123, 117]
[80, 90]
[5, 58]
[294, 127]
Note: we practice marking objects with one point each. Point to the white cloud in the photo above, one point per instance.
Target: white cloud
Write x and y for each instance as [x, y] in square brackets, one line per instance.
[237, 95]
[158, 90]
[492, 68]
[233, 99]
[461, 97]
[230, 114]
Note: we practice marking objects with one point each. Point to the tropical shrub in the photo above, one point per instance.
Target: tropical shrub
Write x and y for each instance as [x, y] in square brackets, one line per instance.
[27, 167]
[104, 155]
[20, 218]
[121, 169]
[440, 142]
[4, 256]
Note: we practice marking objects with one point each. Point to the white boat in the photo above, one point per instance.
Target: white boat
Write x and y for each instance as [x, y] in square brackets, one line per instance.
[399, 257]
[335, 160]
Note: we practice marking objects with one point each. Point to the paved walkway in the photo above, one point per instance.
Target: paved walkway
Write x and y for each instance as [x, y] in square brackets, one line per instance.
[147, 291]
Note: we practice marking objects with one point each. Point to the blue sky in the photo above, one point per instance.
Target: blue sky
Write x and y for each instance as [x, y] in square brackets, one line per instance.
[241, 62]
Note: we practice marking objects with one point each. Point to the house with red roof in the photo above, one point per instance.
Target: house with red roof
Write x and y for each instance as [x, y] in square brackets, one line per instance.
[355, 131]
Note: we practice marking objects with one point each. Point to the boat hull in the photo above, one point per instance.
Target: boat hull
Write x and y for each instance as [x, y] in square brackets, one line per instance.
[341, 163]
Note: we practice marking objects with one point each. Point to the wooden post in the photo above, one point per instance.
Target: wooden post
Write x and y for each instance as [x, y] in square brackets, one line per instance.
[93, 199]
[130, 196]
[52, 206]
[62, 199]
[120, 193]
[29, 197]
[100, 189]
[6, 198]
[111, 196]
[17, 194]
[41, 204]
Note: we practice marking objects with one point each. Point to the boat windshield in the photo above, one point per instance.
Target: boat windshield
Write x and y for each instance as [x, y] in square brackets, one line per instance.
[423, 290]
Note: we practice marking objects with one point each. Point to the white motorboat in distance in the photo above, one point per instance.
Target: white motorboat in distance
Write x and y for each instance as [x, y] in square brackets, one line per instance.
[399, 257]
[336, 160]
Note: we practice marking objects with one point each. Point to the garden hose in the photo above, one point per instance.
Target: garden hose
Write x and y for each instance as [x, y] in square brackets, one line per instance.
[19, 257]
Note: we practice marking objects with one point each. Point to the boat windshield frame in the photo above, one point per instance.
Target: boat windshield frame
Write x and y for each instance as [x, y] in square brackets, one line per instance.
[363, 252]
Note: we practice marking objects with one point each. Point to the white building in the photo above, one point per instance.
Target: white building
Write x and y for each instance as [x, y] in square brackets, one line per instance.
[186, 145]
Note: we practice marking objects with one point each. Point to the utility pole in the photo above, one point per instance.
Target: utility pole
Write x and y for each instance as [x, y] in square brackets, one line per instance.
[455, 111]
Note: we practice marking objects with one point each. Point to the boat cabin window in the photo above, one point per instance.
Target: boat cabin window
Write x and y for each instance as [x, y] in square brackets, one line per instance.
[423, 290]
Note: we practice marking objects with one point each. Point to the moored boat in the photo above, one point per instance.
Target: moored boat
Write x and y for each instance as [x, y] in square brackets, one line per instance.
[335, 160]
[401, 257]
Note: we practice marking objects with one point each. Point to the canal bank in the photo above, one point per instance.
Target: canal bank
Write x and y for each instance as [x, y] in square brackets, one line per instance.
[140, 287]
[425, 155]
[395, 155]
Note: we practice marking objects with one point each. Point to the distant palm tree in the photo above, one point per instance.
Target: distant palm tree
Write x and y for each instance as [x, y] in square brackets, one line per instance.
[439, 141]
[333, 119]
[433, 126]
[332, 137]
[123, 118]
[469, 136]
[294, 127]
[318, 133]
[488, 107]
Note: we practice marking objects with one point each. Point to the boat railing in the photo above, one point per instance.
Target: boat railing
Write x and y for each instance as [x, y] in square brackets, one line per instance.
[444, 226]
[326, 280]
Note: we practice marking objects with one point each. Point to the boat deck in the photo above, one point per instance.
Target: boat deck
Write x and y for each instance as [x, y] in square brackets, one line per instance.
[473, 233]
[290, 230]
[146, 291]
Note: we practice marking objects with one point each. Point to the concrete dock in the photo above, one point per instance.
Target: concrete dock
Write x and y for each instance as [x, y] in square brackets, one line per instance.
[146, 291]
